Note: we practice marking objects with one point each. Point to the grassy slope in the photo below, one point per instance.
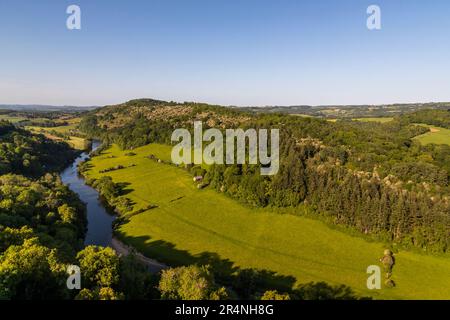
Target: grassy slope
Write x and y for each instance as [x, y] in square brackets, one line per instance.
[437, 135]
[190, 222]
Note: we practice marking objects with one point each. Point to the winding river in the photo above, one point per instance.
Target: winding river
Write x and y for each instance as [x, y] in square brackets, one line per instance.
[99, 220]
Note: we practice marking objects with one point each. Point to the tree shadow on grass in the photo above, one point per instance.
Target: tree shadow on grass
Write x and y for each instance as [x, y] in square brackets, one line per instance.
[245, 281]
[87, 165]
[123, 187]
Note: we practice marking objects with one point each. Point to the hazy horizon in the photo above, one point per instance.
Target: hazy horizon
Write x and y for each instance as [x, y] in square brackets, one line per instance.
[252, 53]
[229, 105]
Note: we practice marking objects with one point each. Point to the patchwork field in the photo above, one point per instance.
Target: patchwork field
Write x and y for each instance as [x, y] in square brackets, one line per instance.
[75, 142]
[191, 225]
[436, 135]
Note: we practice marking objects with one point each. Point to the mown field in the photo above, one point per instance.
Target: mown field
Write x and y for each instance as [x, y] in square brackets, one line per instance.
[191, 225]
[436, 135]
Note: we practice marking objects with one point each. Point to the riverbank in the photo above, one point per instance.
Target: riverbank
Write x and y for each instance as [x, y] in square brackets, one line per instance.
[123, 249]
[99, 219]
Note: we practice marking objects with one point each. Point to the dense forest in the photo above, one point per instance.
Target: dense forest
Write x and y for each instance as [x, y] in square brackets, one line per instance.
[43, 225]
[42, 222]
[31, 155]
[372, 177]
[440, 118]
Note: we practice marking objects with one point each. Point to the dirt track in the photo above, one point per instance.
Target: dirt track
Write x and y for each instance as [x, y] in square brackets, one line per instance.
[122, 249]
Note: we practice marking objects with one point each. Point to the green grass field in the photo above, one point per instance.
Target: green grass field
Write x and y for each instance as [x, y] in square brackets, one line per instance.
[380, 119]
[436, 135]
[11, 118]
[190, 225]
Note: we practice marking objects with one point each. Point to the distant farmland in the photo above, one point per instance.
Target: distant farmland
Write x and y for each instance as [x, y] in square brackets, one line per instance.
[379, 119]
[12, 119]
[62, 133]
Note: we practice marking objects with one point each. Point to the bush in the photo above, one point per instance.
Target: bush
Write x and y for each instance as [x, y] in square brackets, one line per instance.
[190, 283]
[274, 295]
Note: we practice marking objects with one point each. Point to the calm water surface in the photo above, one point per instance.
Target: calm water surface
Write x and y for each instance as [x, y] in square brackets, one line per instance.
[99, 220]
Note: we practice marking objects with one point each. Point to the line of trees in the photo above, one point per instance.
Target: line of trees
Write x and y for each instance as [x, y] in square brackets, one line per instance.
[439, 118]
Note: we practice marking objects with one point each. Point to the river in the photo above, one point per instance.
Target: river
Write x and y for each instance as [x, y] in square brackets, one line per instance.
[99, 220]
[99, 228]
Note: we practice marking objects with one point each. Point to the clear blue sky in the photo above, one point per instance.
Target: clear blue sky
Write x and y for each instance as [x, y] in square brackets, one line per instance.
[246, 52]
